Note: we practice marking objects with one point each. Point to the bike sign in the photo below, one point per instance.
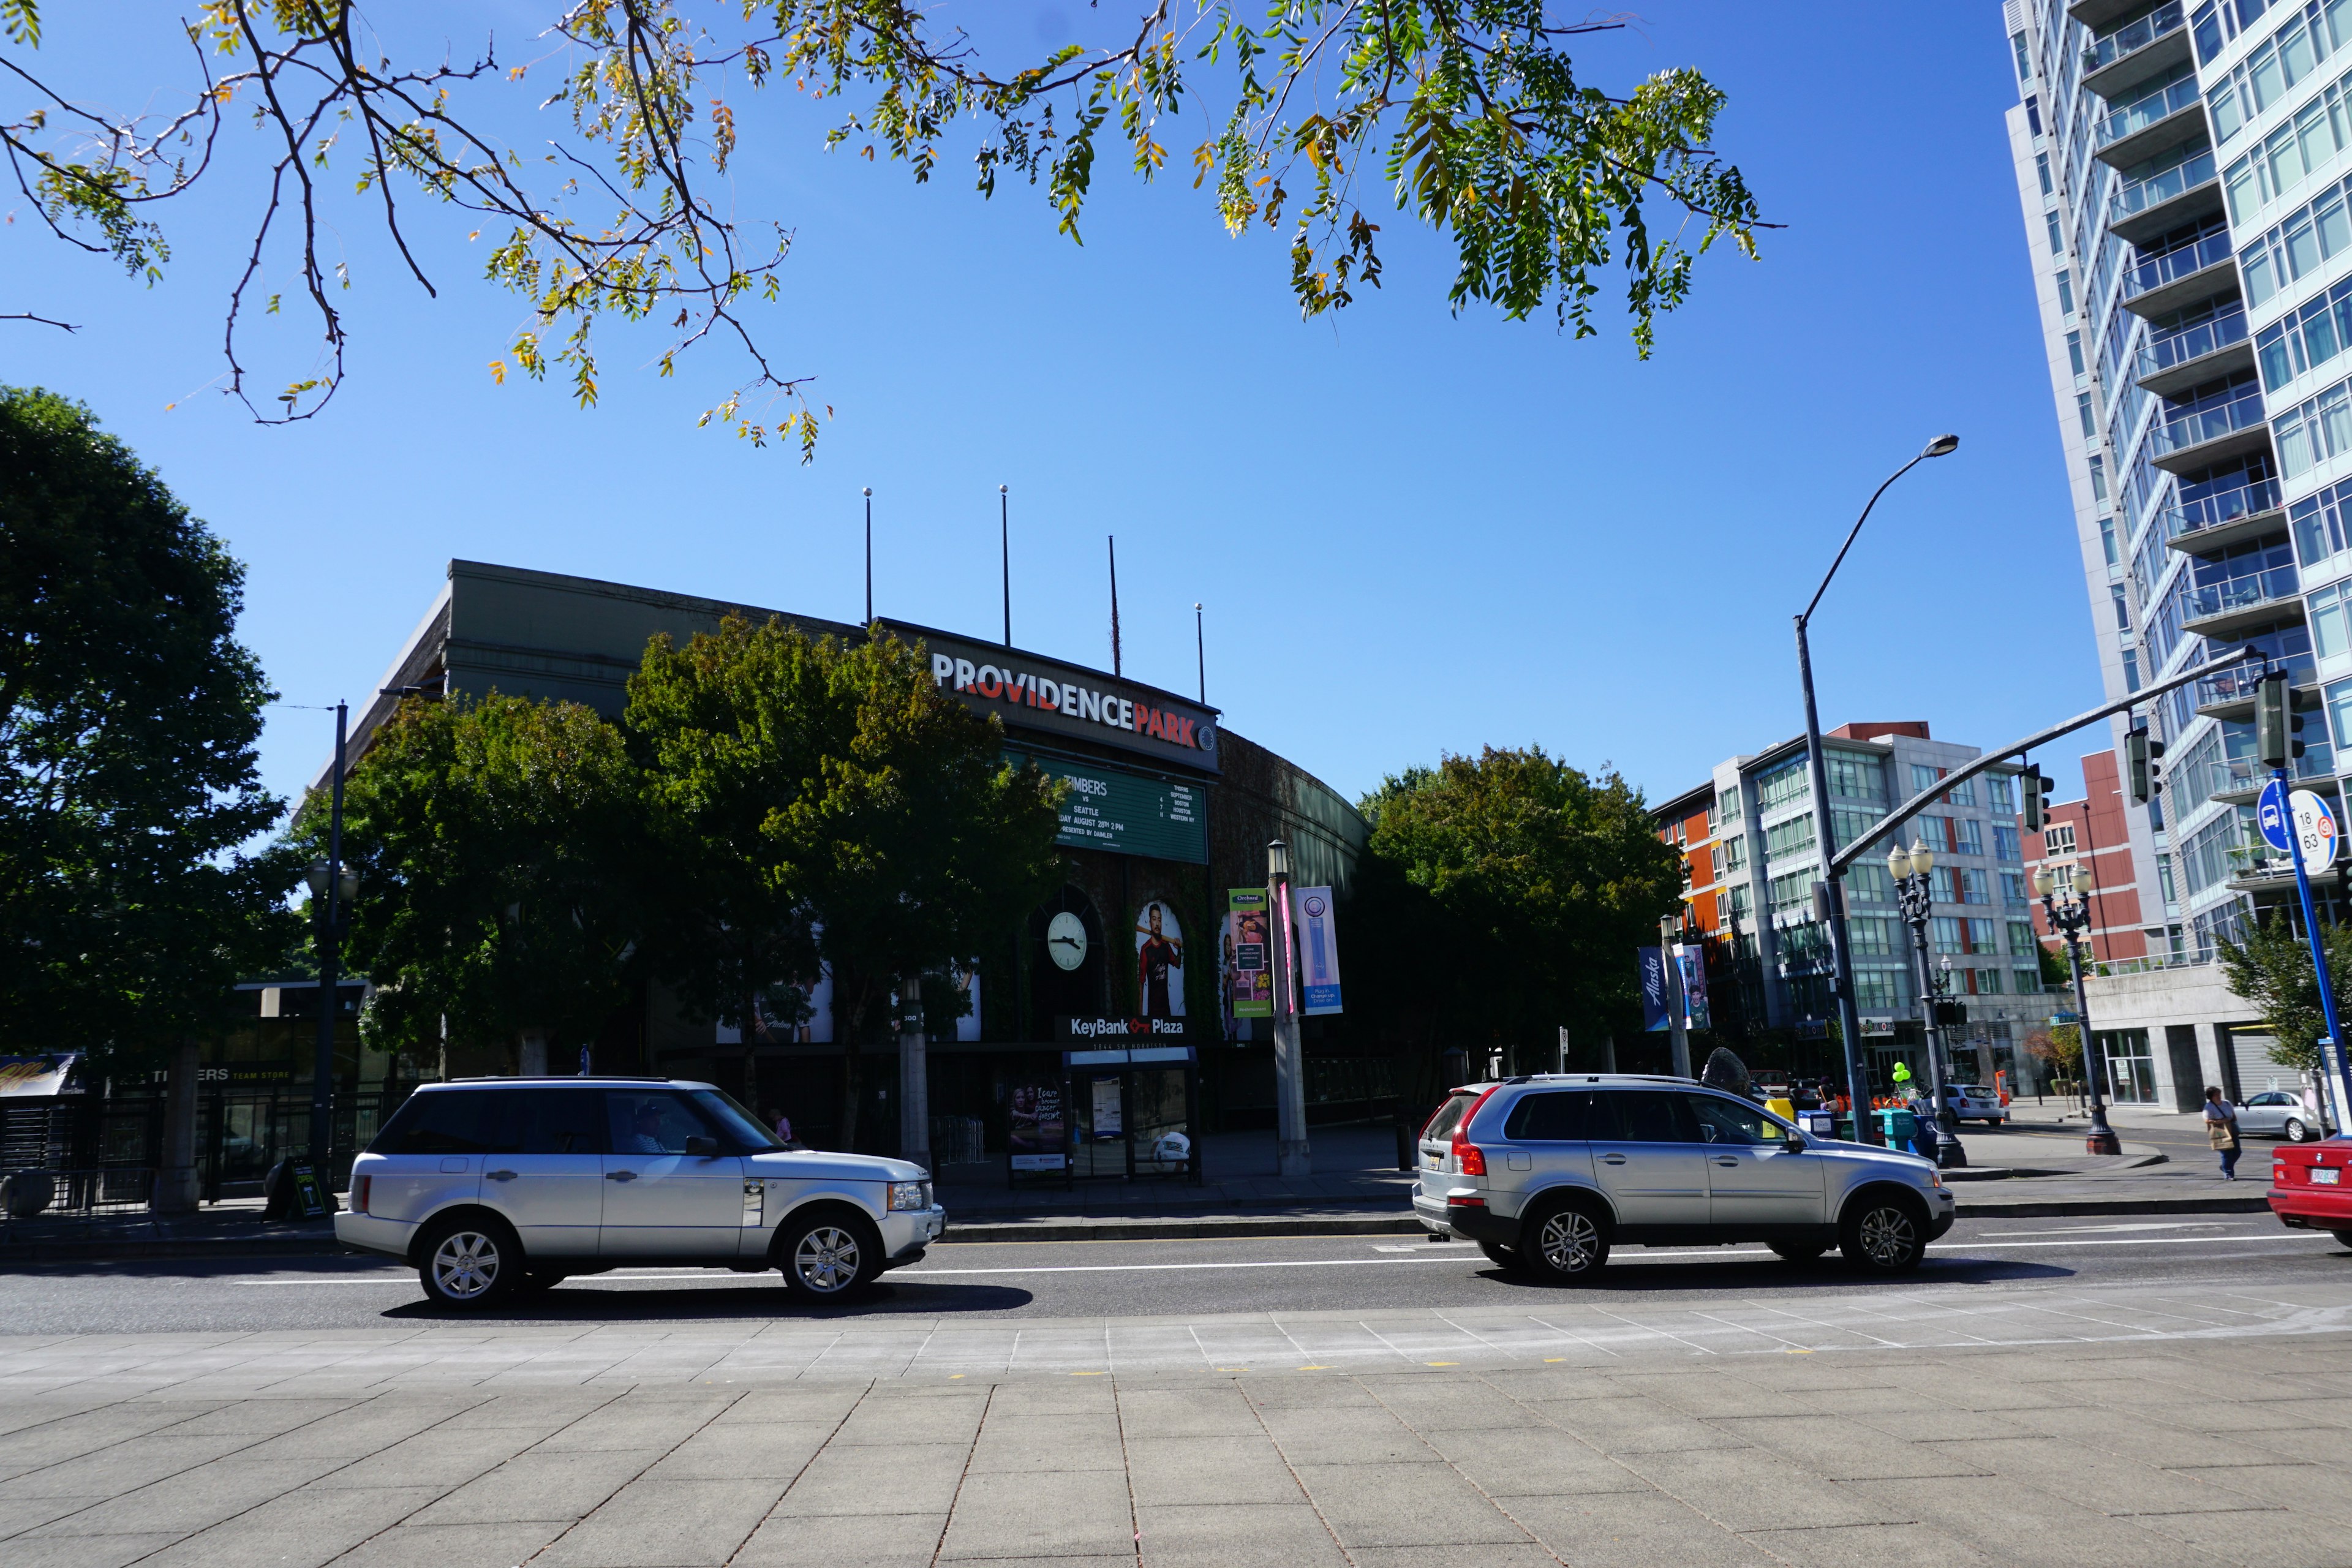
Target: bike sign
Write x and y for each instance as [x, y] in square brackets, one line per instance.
[2314, 825]
[2270, 815]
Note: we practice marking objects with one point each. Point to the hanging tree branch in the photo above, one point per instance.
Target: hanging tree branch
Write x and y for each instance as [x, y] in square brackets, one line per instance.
[1467, 111]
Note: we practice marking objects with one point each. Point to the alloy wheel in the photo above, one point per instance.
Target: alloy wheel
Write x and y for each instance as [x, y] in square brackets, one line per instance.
[1888, 1237]
[465, 1266]
[827, 1260]
[1569, 1241]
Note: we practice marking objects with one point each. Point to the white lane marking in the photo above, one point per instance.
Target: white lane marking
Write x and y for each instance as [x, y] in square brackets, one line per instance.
[1645, 1255]
[2087, 1229]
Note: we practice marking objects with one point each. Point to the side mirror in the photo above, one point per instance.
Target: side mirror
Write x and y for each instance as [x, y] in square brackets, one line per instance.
[700, 1147]
[1797, 1145]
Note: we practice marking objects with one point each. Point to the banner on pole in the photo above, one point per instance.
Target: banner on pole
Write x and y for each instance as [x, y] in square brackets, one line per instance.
[1250, 962]
[1318, 950]
[1693, 959]
[1653, 989]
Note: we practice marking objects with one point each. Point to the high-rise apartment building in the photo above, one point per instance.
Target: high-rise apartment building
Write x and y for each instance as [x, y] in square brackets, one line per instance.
[2186, 170]
[1751, 861]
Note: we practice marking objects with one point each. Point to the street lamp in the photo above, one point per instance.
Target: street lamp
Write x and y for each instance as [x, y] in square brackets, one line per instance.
[2069, 910]
[1817, 776]
[1292, 1156]
[1910, 870]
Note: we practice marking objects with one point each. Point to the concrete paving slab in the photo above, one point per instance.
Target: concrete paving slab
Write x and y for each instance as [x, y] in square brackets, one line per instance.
[844, 1541]
[1239, 1534]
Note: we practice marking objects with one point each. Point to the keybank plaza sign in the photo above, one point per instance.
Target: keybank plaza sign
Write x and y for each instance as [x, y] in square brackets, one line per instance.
[1031, 693]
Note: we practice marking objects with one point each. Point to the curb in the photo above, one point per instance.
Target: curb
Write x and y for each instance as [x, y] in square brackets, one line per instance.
[14, 1253]
[1221, 1228]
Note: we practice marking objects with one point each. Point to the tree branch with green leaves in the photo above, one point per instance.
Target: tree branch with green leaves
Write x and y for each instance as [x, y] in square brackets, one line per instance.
[1317, 116]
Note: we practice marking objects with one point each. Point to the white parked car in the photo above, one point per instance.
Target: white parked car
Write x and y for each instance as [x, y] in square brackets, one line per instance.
[1976, 1102]
[2275, 1113]
[491, 1186]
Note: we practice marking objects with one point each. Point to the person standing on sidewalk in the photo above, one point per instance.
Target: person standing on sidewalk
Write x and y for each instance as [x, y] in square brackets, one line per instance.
[2221, 1130]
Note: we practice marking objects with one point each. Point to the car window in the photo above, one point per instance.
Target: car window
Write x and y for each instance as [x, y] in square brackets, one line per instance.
[1553, 1117]
[1722, 1120]
[447, 1122]
[1449, 1115]
[653, 1122]
[1654, 1116]
[555, 1120]
[743, 1129]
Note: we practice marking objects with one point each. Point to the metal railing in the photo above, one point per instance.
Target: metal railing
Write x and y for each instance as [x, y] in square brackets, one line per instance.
[2142, 112]
[2130, 39]
[2235, 773]
[2239, 684]
[2223, 506]
[108, 1189]
[2240, 410]
[2142, 194]
[2218, 331]
[2180, 261]
[2241, 592]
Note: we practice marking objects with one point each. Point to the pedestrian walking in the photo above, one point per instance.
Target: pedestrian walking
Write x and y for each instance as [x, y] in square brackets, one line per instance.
[2221, 1130]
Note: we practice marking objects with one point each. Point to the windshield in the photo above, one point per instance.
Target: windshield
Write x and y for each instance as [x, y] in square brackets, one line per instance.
[741, 1124]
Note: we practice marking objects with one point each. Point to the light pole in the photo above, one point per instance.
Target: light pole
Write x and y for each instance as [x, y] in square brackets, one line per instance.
[1291, 1157]
[2070, 913]
[1910, 869]
[332, 887]
[1817, 775]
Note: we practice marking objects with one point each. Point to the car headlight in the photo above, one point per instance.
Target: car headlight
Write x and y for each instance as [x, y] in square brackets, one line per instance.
[909, 1196]
[1935, 1178]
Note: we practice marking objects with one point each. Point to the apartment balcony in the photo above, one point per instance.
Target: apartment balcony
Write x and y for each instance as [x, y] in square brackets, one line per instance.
[2164, 285]
[2229, 695]
[2237, 604]
[2183, 194]
[2097, 13]
[2197, 437]
[2240, 781]
[2136, 131]
[2211, 350]
[2229, 516]
[2156, 43]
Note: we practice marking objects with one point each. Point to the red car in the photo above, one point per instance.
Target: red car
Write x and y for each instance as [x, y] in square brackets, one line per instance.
[2311, 1186]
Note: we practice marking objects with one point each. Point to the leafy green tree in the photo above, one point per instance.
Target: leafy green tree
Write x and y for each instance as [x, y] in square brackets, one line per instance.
[817, 785]
[2272, 971]
[128, 783]
[2057, 971]
[1467, 115]
[499, 846]
[1503, 896]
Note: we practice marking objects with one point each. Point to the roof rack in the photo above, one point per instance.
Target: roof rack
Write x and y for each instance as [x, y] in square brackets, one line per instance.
[558, 1077]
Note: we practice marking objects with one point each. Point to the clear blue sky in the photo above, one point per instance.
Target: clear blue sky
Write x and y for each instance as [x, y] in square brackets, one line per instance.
[1413, 533]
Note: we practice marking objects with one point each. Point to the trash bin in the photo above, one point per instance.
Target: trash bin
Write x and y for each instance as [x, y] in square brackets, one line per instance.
[1899, 1128]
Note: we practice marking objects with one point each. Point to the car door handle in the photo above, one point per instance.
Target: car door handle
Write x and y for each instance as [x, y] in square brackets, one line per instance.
[499, 1175]
[620, 1176]
[1612, 1159]
[1726, 1158]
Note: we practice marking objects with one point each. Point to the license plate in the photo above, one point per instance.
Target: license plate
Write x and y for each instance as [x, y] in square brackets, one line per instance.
[2322, 1176]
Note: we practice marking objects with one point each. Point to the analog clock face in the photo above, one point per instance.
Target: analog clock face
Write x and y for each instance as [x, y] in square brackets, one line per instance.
[1065, 938]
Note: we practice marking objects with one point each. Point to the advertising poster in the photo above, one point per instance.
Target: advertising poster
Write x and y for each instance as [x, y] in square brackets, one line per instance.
[1693, 960]
[1110, 1125]
[1251, 972]
[1035, 1137]
[1318, 951]
[1159, 961]
[1653, 989]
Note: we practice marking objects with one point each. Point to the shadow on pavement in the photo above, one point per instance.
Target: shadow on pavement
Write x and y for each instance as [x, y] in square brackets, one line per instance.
[1829, 1274]
[590, 1303]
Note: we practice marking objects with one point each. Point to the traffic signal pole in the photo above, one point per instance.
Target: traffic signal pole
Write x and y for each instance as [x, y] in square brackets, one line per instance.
[2274, 738]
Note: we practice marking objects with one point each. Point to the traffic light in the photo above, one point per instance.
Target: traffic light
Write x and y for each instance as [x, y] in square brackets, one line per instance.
[1951, 1015]
[2135, 763]
[2031, 783]
[2275, 726]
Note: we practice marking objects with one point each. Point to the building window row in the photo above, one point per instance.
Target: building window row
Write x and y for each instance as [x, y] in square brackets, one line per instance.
[2272, 69]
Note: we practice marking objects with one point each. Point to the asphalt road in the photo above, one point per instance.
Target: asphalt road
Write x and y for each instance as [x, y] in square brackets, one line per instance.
[1120, 1280]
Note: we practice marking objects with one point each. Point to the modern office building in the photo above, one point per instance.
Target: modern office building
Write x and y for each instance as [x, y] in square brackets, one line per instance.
[2184, 175]
[1750, 860]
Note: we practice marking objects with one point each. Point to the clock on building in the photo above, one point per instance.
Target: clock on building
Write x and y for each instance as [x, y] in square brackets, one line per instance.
[1065, 938]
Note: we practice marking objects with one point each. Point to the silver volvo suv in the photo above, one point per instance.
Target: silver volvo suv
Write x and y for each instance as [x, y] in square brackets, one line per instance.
[491, 1186]
[1546, 1173]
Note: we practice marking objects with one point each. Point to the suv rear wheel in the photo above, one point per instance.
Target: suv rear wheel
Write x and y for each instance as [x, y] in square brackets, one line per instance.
[1564, 1244]
[1884, 1232]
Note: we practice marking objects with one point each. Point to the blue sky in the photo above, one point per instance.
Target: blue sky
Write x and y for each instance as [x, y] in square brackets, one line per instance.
[1414, 533]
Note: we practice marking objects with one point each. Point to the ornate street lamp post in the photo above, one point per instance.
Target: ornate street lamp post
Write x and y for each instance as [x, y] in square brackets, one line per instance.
[2069, 910]
[1909, 870]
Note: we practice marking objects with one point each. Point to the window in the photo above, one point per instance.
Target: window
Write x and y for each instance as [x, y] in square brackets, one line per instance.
[1848, 824]
[1715, 862]
[2013, 888]
[1924, 777]
[2004, 842]
[1962, 794]
[2042, 168]
[1781, 785]
[1947, 933]
[1793, 891]
[1967, 835]
[2025, 73]
[1644, 1116]
[554, 1121]
[1855, 778]
[2122, 602]
[1944, 885]
[459, 1121]
[1735, 854]
[1873, 936]
[652, 1123]
[1724, 1121]
[2074, 350]
[1740, 902]
[2058, 838]
[2066, 292]
[1549, 1119]
[1727, 803]
[1976, 888]
[1880, 990]
[2057, 236]
[2327, 623]
[2108, 539]
[2340, 710]
[2020, 937]
[1869, 882]
[1985, 982]
[2000, 790]
[2033, 115]
[2098, 477]
[1981, 937]
[1790, 836]
[2025, 982]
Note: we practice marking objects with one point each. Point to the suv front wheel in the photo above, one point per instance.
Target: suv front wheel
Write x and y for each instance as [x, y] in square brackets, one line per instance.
[1884, 1232]
[829, 1256]
[1564, 1244]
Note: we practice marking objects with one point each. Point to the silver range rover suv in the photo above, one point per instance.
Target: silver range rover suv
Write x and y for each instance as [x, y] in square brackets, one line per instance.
[1546, 1174]
[491, 1186]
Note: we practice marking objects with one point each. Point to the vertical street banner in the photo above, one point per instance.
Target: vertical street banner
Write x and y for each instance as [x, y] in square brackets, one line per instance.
[1693, 959]
[1252, 957]
[1159, 960]
[1654, 988]
[1318, 950]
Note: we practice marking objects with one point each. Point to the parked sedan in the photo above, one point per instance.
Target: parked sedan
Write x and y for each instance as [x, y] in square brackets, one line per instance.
[2277, 1113]
[1976, 1102]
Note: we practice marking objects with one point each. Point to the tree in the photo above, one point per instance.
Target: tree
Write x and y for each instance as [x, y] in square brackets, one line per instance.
[498, 846]
[888, 820]
[2057, 971]
[128, 775]
[2060, 1045]
[2272, 971]
[1505, 895]
[1466, 114]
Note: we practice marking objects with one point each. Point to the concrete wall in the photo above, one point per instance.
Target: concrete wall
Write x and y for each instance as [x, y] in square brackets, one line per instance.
[2196, 998]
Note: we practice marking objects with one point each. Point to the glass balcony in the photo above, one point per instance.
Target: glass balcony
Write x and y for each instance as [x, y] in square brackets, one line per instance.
[2227, 506]
[2142, 194]
[2129, 39]
[2209, 599]
[2156, 272]
[2162, 104]
[2237, 683]
[2164, 351]
[2242, 410]
[2240, 776]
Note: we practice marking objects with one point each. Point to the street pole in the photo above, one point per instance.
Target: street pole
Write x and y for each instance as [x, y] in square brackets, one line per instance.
[1292, 1156]
[914, 1077]
[2070, 918]
[2331, 1049]
[870, 555]
[1678, 1033]
[1201, 652]
[1917, 897]
[1004, 539]
[322, 1079]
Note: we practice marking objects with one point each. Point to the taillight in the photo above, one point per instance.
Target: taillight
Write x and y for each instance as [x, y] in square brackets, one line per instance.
[1469, 1160]
[360, 1193]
